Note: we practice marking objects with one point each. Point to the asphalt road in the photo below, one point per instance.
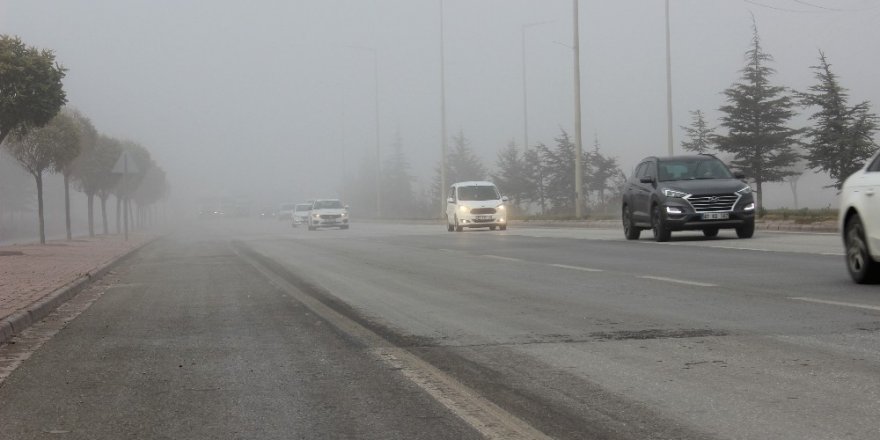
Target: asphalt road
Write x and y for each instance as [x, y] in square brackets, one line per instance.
[573, 333]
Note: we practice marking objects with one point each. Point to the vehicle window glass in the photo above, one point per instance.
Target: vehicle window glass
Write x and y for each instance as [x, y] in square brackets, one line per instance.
[875, 165]
[640, 170]
[452, 193]
[649, 170]
[692, 169]
[328, 204]
[303, 207]
[479, 192]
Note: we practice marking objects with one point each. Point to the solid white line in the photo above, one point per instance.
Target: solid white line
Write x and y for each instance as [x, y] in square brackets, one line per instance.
[837, 303]
[490, 420]
[674, 280]
[833, 254]
[585, 269]
[499, 257]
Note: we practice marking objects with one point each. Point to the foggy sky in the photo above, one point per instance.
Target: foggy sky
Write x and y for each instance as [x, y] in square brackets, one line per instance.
[268, 98]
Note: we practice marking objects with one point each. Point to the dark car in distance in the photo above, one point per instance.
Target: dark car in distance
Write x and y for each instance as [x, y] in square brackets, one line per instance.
[680, 193]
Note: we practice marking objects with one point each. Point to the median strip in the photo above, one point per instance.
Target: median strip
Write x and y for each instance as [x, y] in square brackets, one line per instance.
[499, 257]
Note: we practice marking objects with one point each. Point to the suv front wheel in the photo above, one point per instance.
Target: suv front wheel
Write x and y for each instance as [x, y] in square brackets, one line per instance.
[661, 233]
[747, 230]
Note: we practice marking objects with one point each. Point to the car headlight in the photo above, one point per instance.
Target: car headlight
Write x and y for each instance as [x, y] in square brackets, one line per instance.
[675, 194]
[463, 208]
[749, 207]
[500, 207]
[745, 190]
[345, 214]
[316, 215]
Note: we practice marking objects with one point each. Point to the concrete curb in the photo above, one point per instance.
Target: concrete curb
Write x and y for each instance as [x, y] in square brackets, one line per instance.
[41, 308]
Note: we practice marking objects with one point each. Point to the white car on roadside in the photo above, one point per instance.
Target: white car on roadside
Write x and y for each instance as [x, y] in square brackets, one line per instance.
[328, 213]
[859, 221]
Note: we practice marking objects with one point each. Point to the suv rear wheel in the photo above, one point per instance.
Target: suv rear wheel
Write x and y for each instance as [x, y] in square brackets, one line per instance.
[862, 268]
[631, 232]
[661, 234]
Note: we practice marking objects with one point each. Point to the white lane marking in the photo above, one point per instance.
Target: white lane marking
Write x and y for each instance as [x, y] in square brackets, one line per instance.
[833, 254]
[499, 257]
[490, 420]
[836, 303]
[446, 250]
[584, 269]
[677, 281]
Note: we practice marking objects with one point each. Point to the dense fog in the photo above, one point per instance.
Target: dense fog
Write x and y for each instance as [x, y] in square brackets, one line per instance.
[275, 101]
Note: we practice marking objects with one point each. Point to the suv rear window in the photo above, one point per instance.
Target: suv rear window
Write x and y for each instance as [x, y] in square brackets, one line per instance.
[478, 193]
[692, 169]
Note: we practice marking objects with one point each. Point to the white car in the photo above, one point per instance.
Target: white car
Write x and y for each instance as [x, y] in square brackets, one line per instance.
[328, 213]
[859, 222]
[475, 204]
[301, 213]
[285, 211]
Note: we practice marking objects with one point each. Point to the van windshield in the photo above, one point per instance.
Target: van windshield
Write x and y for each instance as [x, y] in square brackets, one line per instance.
[478, 193]
[328, 204]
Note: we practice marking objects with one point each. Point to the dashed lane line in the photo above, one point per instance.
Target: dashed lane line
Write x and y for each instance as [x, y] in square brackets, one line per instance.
[835, 303]
[499, 257]
[583, 269]
[677, 281]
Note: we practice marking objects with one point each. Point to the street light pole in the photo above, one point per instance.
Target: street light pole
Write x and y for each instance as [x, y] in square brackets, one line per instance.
[668, 85]
[578, 172]
[443, 141]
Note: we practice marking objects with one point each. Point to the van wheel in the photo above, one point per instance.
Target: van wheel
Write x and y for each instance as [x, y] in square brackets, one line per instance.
[449, 226]
[491, 228]
[458, 227]
[503, 227]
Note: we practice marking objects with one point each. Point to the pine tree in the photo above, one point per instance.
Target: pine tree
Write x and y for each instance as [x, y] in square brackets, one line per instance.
[699, 134]
[559, 173]
[535, 171]
[755, 118]
[512, 178]
[604, 169]
[462, 164]
[842, 138]
[397, 190]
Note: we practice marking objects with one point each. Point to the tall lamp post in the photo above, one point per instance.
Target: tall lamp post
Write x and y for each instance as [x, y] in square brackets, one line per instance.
[578, 172]
[378, 144]
[443, 144]
[524, 88]
[668, 85]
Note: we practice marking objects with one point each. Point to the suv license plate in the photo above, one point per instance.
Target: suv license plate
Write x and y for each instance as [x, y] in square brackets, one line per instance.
[716, 216]
[484, 217]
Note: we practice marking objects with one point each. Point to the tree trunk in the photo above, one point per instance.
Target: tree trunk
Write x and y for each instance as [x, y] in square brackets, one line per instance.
[793, 184]
[118, 214]
[759, 198]
[104, 214]
[67, 205]
[91, 204]
[39, 179]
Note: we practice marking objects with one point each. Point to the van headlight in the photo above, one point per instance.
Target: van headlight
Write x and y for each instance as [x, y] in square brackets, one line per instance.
[463, 208]
[500, 207]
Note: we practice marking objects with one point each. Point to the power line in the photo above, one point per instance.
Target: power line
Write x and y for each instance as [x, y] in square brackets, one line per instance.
[802, 2]
[801, 11]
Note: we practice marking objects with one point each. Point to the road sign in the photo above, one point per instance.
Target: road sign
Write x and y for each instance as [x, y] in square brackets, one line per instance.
[125, 164]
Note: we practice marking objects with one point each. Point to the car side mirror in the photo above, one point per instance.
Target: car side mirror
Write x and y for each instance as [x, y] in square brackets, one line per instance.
[646, 179]
[739, 175]
[505, 199]
[450, 200]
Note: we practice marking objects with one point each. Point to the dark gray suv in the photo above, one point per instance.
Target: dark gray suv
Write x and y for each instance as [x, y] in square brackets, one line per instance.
[680, 193]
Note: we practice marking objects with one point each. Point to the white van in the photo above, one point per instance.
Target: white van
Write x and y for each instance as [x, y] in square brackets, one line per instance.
[475, 204]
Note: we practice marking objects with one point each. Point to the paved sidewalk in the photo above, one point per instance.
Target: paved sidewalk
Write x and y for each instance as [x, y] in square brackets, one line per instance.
[33, 278]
